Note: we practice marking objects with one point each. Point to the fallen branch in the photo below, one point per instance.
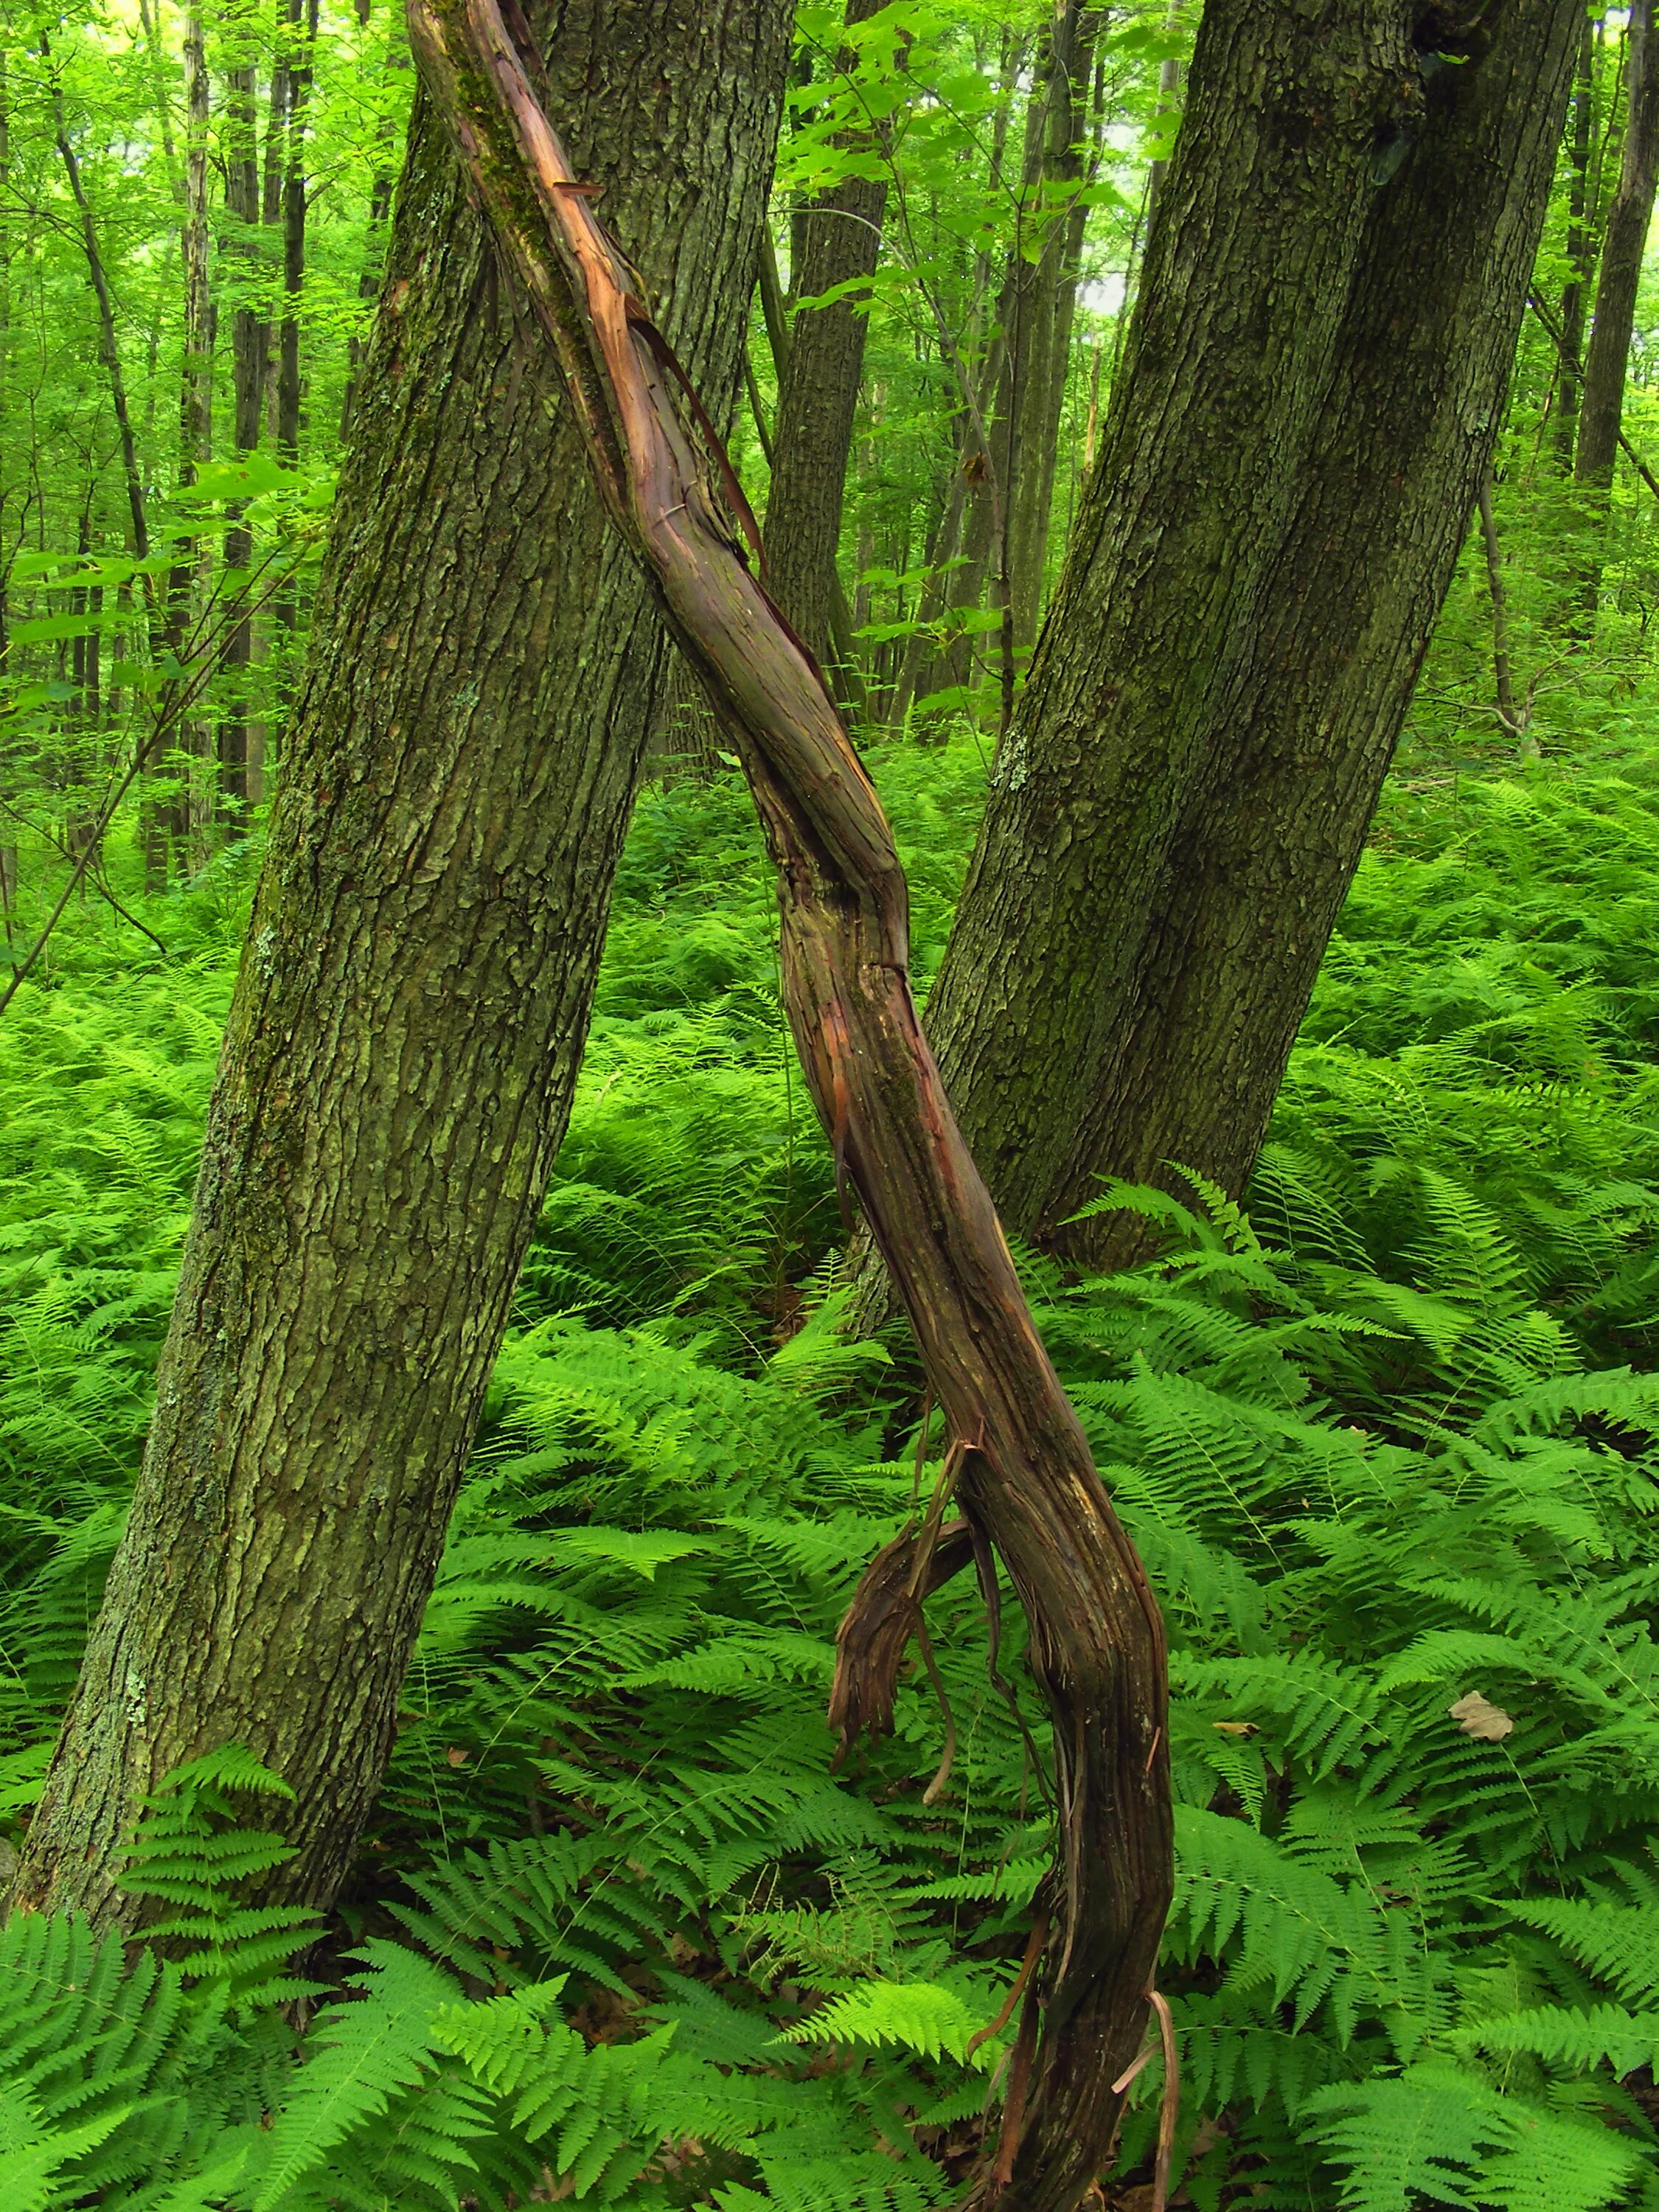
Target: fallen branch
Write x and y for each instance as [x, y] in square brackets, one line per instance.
[1026, 1482]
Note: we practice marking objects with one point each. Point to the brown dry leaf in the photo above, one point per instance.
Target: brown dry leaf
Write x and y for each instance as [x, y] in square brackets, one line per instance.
[1235, 1727]
[456, 1756]
[1478, 1717]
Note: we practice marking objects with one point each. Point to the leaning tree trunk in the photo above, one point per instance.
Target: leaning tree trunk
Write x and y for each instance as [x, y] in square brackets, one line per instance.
[1261, 229]
[1019, 1458]
[415, 990]
[1600, 406]
[839, 238]
[1303, 731]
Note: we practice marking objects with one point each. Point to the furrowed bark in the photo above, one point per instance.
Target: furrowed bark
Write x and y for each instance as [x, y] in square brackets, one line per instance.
[1301, 730]
[411, 1005]
[1258, 562]
[1262, 223]
[1026, 1479]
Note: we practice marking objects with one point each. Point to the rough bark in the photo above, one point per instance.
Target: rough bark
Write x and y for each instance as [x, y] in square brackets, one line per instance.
[839, 238]
[1264, 218]
[414, 993]
[1174, 825]
[1019, 1458]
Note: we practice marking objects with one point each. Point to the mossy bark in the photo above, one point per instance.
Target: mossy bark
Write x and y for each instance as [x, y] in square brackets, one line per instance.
[416, 984]
[1314, 381]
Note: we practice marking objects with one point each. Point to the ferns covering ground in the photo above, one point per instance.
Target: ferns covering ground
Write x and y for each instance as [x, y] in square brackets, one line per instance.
[1389, 1446]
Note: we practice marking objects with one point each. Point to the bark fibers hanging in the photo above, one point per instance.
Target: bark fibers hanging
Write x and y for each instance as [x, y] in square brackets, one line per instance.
[1025, 1481]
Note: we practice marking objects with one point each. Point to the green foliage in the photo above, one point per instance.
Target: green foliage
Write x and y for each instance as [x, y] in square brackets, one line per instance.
[1385, 1442]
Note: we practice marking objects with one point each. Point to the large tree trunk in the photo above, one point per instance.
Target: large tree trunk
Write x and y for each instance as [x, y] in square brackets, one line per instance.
[401, 1052]
[839, 237]
[1213, 705]
[1624, 243]
[1263, 222]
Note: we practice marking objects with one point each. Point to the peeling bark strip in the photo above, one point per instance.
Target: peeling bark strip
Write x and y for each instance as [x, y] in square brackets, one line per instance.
[1026, 1478]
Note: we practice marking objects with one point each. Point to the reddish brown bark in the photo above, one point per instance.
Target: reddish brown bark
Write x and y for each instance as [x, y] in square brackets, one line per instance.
[1025, 1480]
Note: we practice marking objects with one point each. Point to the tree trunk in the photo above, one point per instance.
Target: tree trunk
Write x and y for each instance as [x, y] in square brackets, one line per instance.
[379, 214]
[1019, 1458]
[1623, 244]
[1580, 255]
[1511, 712]
[1215, 704]
[302, 28]
[285, 607]
[1247, 275]
[839, 242]
[400, 1055]
[195, 373]
[1038, 306]
[250, 364]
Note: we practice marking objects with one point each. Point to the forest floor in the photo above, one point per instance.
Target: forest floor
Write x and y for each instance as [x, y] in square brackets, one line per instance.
[1389, 1441]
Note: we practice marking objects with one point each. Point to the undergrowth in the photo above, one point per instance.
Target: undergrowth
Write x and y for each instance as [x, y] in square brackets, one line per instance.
[1387, 1445]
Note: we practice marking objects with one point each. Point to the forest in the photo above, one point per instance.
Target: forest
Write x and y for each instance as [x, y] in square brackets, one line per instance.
[829, 1105]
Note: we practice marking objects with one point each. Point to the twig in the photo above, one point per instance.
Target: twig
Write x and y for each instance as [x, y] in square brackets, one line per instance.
[1170, 2110]
[1033, 1947]
[1552, 330]
[177, 707]
[97, 881]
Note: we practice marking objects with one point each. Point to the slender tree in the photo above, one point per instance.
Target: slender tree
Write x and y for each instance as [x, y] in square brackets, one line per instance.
[838, 243]
[1254, 574]
[1580, 250]
[250, 366]
[408, 1018]
[1038, 307]
[1623, 246]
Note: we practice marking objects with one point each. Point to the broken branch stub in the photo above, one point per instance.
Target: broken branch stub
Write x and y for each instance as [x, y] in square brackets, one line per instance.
[1027, 1482]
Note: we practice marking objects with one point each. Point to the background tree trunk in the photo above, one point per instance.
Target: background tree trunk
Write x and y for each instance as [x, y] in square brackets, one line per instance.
[1623, 242]
[1580, 250]
[285, 609]
[189, 569]
[1201, 857]
[414, 995]
[839, 240]
[1038, 308]
[250, 344]
[1262, 226]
